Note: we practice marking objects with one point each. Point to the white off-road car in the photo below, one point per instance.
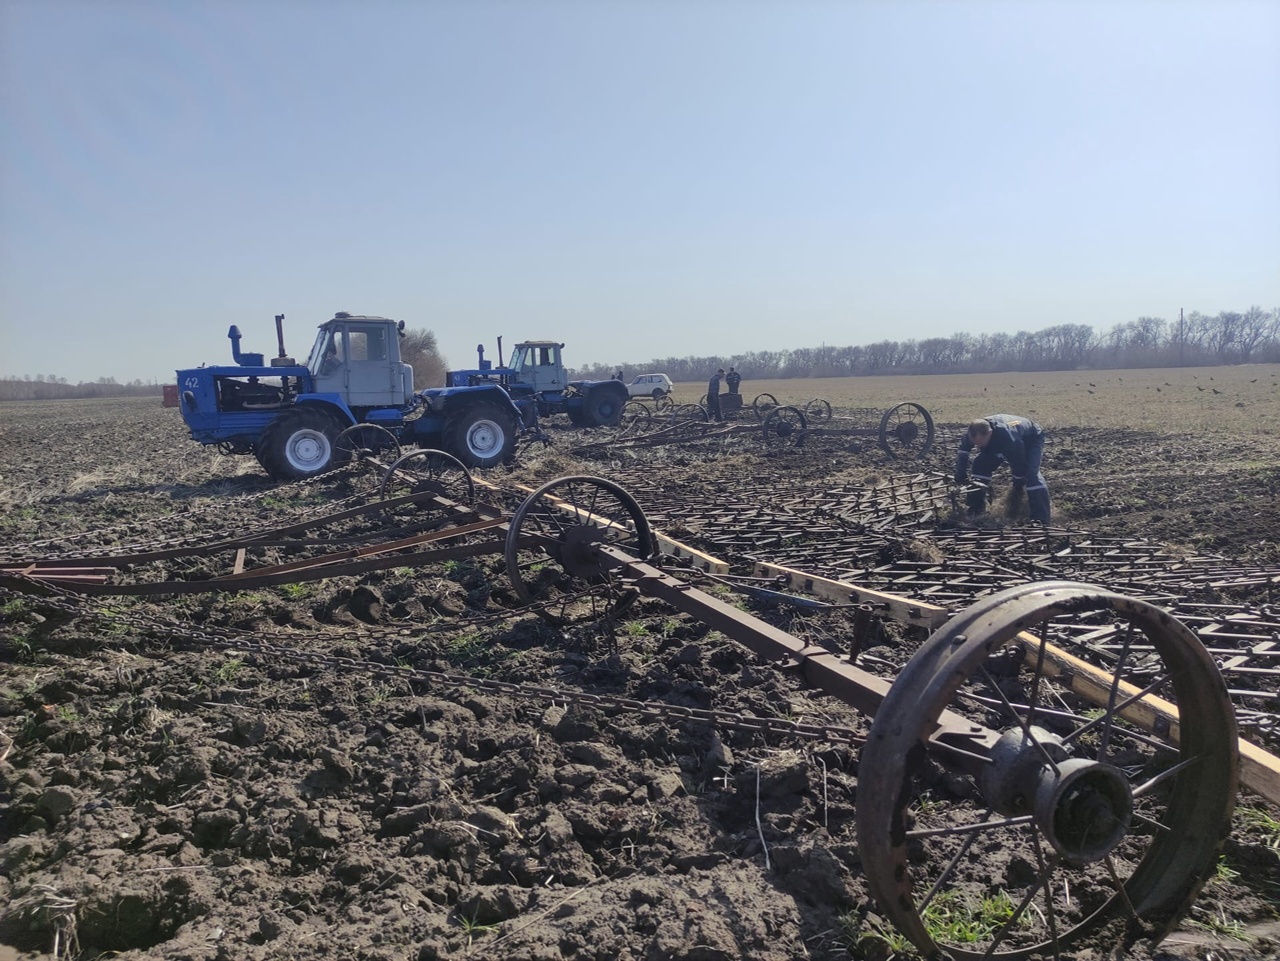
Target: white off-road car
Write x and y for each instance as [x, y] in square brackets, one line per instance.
[650, 385]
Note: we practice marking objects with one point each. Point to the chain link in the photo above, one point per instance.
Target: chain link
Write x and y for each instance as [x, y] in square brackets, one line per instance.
[221, 640]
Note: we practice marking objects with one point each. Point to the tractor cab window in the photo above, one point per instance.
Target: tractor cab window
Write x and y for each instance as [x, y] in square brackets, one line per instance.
[328, 351]
[368, 343]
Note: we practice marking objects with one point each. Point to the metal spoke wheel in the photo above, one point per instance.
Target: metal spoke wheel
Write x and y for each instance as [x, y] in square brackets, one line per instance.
[818, 410]
[686, 412]
[637, 418]
[362, 443]
[906, 431]
[431, 476]
[785, 425]
[554, 548]
[1022, 788]
[762, 405]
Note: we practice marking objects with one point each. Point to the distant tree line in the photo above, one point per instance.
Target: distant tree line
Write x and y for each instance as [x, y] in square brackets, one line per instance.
[1196, 340]
[52, 387]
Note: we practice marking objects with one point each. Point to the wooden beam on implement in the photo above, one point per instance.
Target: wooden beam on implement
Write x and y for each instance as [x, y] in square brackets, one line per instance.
[893, 606]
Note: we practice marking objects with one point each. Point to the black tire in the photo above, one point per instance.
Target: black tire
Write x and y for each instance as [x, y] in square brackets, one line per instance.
[603, 407]
[297, 444]
[480, 436]
[659, 393]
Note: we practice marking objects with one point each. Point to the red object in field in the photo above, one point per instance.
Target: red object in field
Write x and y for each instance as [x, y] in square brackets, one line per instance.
[170, 395]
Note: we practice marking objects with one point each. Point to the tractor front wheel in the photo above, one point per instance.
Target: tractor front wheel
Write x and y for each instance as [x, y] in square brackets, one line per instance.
[297, 444]
[481, 436]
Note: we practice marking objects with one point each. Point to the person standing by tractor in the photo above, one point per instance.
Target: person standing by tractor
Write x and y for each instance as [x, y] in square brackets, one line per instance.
[733, 379]
[713, 396]
[618, 375]
[1019, 442]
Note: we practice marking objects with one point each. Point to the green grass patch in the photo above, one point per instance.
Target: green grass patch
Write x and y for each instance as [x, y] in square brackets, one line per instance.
[952, 918]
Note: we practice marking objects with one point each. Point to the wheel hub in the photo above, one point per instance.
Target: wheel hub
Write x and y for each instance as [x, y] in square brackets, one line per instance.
[906, 432]
[1082, 806]
[307, 449]
[578, 554]
[483, 438]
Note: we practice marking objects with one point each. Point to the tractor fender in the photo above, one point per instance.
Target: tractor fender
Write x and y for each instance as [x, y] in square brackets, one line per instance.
[331, 404]
[587, 387]
[448, 400]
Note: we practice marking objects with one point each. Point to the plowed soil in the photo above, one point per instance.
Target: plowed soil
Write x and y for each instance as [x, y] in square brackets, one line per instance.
[194, 794]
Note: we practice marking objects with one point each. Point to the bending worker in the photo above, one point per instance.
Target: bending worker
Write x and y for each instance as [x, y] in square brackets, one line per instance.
[1019, 442]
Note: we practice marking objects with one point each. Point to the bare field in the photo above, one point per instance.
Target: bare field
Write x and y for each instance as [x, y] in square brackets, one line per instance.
[1241, 402]
[173, 786]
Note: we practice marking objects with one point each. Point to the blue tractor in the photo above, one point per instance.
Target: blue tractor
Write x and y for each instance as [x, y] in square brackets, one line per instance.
[289, 415]
[536, 377]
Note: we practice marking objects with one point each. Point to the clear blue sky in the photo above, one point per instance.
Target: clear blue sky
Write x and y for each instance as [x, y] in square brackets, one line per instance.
[637, 179]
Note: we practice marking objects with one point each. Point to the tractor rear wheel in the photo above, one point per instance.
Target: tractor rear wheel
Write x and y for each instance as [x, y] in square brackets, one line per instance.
[603, 408]
[297, 444]
[480, 436]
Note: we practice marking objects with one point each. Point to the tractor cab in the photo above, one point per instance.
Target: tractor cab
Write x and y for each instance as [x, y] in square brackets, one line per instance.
[537, 363]
[358, 358]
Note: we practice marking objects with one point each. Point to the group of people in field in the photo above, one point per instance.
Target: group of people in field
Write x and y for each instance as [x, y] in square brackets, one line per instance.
[732, 380]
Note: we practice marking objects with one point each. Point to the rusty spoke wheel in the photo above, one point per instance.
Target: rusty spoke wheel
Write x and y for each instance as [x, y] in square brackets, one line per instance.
[637, 418]
[686, 412]
[906, 431]
[436, 480]
[785, 425]
[818, 410]
[762, 405]
[365, 443]
[554, 548]
[1020, 791]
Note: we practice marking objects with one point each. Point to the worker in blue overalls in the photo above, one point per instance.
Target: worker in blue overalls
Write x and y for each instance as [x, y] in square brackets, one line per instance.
[1019, 442]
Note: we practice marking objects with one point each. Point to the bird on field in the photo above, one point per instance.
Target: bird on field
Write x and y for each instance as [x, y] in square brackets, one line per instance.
[1091, 392]
[1158, 390]
[1091, 384]
[1254, 381]
[1215, 390]
[1198, 387]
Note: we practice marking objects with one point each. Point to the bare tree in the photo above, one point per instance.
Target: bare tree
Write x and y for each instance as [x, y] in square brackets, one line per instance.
[418, 349]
